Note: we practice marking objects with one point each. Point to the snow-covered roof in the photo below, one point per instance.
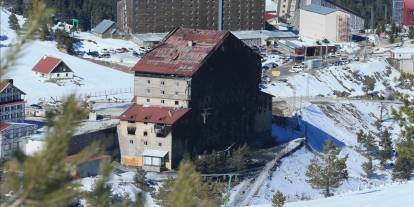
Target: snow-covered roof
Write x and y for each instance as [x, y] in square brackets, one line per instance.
[154, 153]
[103, 26]
[318, 9]
[405, 50]
[263, 34]
[151, 37]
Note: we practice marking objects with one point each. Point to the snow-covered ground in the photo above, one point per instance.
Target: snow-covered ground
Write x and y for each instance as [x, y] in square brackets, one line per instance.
[341, 122]
[90, 42]
[396, 195]
[122, 185]
[93, 79]
[348, 78]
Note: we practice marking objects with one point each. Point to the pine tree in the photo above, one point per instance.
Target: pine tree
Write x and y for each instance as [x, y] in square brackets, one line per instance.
[14, 22]
[188, 189]
[386, 144]
[370, 145]
[404, 164]
[368, 168]
[101, 194]
[241, 158]
[411, 32]
[44, 32]
[278, 199]
[392, 38]
[361, 137]
[331, 172]
[140, 182]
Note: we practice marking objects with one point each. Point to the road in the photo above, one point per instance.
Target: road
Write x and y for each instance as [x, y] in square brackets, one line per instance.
[331, 100]
[250, 187]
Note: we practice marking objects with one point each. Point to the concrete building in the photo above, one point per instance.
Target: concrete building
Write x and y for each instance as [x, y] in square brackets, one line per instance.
[157, 16]
[105, 29]
[301, 50]
[12, 137]
[51, 68]
[356, 21]
[397, 11]
[408, 15]
[404, 59]
[318, 22]
[196, 91]
[11, 102]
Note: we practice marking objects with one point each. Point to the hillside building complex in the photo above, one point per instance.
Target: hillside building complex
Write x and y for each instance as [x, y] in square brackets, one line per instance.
[143, 16]
[196, 91]
[397, 11]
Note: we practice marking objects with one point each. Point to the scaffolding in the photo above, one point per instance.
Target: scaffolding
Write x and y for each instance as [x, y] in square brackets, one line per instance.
[342, 30]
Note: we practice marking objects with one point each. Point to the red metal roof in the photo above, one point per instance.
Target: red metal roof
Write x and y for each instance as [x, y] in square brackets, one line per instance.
[181, 53]
[4, 125]
[153, 114]
[269, 16]
[47, 64]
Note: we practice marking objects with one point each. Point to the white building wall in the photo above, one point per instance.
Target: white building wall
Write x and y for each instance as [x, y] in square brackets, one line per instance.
[317, 26]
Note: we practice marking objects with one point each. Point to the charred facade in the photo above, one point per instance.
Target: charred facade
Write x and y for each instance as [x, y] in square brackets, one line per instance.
[197, 91]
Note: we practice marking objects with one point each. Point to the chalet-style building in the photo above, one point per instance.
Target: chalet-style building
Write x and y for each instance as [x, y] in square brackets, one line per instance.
[52, 68]
[196, 91]
[11, 102]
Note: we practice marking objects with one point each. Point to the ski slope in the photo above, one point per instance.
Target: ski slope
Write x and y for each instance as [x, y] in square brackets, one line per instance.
[94, 79]
[396, 195]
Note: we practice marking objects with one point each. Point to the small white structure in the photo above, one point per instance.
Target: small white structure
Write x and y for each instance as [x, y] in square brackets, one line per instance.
[318, 22]
[52, 68]
[405, 58]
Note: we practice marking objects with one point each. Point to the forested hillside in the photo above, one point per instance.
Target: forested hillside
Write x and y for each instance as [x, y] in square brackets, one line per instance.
[87, 11]
[382, 9]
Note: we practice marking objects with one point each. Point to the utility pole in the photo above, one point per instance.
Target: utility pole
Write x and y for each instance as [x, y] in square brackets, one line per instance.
[372, 18]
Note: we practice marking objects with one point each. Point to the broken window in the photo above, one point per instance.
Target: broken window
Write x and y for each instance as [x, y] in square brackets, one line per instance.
[131, 130]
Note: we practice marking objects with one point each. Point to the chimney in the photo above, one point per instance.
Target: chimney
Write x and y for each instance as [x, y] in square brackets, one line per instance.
[44, 57]
[170, 113]
[190, 43]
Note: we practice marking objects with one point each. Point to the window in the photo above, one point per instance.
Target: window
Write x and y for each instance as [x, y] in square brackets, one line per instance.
[159, 144]
[152, 161]
[148, 91]
[176, 102]
[162, 83]
[176, 93]
[58, 75]
[162, 92]
[411, 13]
[162, 101]
[131, 141]
[67, 74]
[145, 134]
[131, 130]
[148, 100]
[145, 142]
[148, 81]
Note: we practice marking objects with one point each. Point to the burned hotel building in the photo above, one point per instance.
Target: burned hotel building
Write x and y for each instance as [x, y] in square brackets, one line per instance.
[196, 91]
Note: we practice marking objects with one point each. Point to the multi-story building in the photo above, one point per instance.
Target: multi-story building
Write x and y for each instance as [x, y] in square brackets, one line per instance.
[13, 136]
[408, 16]
[397, 11]
[196, 91]
[318, 22]
[142, 16]
[355, 21]
[11, 102]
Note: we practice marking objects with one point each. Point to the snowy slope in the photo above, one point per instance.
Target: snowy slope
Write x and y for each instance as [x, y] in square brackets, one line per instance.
[396, 195]
[94, 79]
[326, 81]
[341, 122]
[4, 26]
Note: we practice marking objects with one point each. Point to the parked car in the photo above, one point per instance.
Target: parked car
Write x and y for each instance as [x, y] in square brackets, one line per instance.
[93, 54]
[105, 55]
